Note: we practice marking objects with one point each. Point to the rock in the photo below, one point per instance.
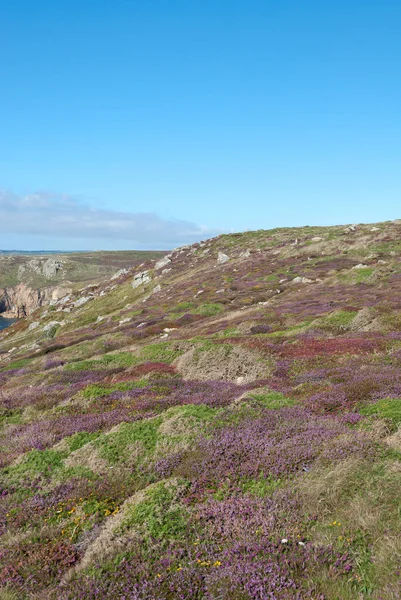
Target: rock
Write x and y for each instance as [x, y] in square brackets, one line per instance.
[245, 254]
[141, 278]
[82, 301]
[240, 380]
[165, 271]
[51, 267]
[126, 320]
[375, 229]
[301, 280]
[21, 300]
[350, 229]
[220, 291]
[119, 274]
[157, 289]
[381, 262]
[316, 239]
[33, 325]
[222, 258]
[169, 329]
[50, 325]
[163, 262]
[360, 266]
[100, 319]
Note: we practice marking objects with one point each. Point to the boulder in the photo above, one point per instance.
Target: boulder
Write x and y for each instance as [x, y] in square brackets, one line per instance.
[141, 278]
[163, 262]
[222, 258]
[302, 280]
[119, 274]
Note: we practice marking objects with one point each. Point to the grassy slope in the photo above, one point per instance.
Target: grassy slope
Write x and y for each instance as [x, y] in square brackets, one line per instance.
[231, 436]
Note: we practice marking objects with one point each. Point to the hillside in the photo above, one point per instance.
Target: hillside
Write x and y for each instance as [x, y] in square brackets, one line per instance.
[27, 281]
[220, 425]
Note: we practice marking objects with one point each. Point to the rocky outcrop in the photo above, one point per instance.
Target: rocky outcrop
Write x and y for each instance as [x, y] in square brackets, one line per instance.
[21, 300]
[49, 268]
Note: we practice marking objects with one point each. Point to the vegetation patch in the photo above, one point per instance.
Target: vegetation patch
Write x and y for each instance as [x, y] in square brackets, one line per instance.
[387, 408]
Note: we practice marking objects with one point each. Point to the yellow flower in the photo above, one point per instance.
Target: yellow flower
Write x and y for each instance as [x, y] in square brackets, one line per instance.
[217, 563]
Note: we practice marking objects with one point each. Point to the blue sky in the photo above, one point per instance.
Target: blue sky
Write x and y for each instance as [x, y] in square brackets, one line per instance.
[152, 123]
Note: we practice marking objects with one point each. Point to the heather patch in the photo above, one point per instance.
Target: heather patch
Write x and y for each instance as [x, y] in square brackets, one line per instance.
[250, 451]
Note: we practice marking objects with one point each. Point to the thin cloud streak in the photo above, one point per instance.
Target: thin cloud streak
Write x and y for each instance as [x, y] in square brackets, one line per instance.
[46, 214]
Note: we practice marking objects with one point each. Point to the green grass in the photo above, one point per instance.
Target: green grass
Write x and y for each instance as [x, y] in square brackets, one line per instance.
[142, 435]
[356, 275]
[209, 309]
[164, 352]
[272, 400]
[337, 321]
[387, 408]
[36, 462]
[182, 307]
[260, 487]
[160, 515]
[112, 361]
[80, 439]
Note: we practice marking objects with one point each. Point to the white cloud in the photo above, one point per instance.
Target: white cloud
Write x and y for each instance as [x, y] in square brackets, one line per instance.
[57, 215]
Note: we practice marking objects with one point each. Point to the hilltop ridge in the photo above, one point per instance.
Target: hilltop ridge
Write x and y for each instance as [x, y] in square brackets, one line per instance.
[221, 422]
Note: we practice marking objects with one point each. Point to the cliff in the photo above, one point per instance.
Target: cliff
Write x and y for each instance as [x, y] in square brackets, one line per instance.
[27, 282]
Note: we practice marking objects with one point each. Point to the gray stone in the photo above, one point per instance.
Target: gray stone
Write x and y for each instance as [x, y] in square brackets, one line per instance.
[301, 280]
[222, 258]
[82, 301]
[119, 274]
[163, 262]
[51, 267]
[141, 278]
[51, 325]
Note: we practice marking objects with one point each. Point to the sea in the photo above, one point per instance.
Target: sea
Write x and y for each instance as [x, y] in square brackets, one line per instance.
[4, 323]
